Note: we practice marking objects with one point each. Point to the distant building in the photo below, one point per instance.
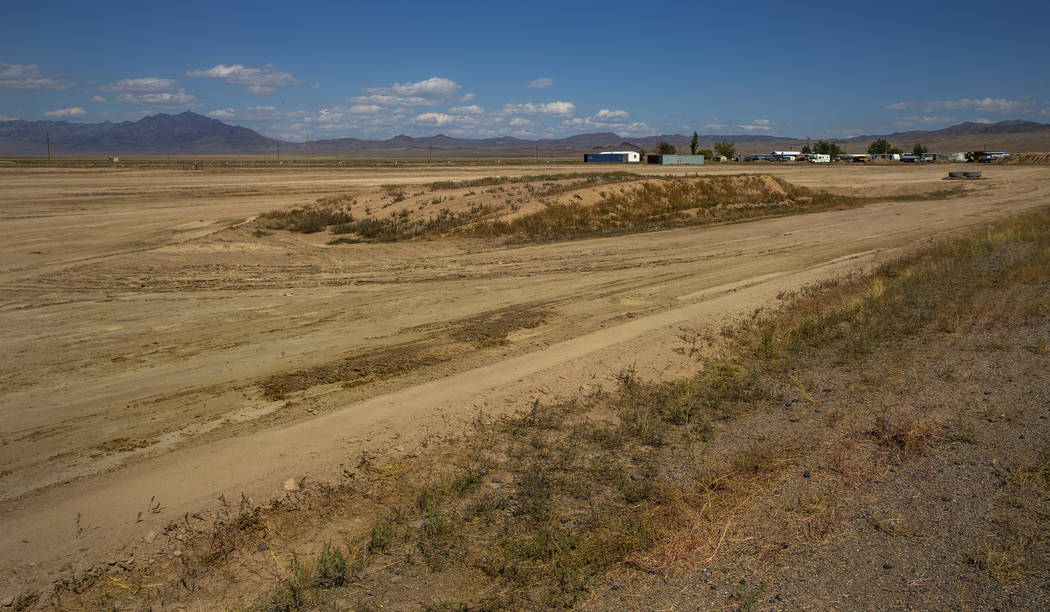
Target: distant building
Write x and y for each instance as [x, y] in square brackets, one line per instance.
[785, 155]
[676, 160]
[632, 156]
[607, 158]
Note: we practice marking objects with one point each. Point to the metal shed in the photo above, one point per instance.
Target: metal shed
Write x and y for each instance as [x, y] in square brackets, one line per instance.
[605, 158]
[676, 160]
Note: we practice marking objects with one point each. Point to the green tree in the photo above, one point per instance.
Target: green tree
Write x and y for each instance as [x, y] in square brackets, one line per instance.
[879, 147]
[707, 153]
[667, 148]
[694, 144]
[918, 149]
[725, 149]
[806, 150]
[823, 147]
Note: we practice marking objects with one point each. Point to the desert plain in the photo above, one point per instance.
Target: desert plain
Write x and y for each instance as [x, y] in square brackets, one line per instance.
[162, 346]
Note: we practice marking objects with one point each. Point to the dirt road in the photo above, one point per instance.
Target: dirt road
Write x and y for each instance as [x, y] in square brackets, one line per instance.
[138, 333]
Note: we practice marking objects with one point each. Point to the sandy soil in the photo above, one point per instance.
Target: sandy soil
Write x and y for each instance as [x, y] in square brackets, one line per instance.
[139, 326]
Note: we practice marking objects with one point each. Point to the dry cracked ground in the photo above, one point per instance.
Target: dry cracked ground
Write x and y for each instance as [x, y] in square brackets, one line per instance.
[168, 341]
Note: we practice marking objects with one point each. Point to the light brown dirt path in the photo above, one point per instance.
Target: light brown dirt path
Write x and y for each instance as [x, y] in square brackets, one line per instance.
[80, 369]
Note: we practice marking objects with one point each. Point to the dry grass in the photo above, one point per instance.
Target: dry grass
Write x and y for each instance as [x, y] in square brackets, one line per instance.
[664, 203]
[530, 511]
[442, 345]
[642, 204]
[367, 367]
[587, 179]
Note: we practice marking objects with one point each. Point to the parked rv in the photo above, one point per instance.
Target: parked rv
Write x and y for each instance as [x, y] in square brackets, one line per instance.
[786, 155]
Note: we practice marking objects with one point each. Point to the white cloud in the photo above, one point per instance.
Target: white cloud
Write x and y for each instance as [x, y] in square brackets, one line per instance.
[639, 128]
[258, 81]
[988, 105]
[758, 125]
[611, 116]
[473, 109]
[140, 85]
[468, 97]
[519, 122]
[18, 76]
[99, 99]
[431, 92]
[252, 113]
[542, 82]
[554, 109]
[600, 121]
[714, 125]
[897, 106]
[364, 109]
[982, 120]
[175, 98]
[6, 118]
[76, 111]
[606, 119]
[436, 119]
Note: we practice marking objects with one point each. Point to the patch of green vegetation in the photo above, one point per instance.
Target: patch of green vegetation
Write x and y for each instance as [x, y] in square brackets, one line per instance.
[304, 220]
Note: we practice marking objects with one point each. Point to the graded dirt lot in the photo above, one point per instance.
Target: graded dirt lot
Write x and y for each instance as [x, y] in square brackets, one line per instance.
[158, 351]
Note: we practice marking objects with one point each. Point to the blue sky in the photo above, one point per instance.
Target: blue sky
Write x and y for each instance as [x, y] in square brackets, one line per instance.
[530, 69]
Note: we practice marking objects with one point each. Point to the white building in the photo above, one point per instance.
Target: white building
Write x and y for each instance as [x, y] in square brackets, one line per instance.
[632, 156]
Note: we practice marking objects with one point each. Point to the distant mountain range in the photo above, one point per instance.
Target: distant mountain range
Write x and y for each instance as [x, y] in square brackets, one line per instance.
[191, 134]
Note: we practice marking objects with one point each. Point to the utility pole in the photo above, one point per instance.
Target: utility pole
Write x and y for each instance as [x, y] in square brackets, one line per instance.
[278, 150]
[48, 136]
[429, 153]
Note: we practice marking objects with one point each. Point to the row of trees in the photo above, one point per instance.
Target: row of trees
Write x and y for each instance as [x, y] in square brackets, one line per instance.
[724, 148]
[878, 147]
[821, 147]
[882, 146]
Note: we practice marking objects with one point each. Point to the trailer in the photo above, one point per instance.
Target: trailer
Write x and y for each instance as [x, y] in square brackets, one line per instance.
[632, 156]
[605, 158]
[818, 158]
[985, 157]
[788, 156]
[676, 160]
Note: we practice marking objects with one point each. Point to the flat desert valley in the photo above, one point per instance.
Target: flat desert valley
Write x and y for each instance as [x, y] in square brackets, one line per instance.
[161, 347]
